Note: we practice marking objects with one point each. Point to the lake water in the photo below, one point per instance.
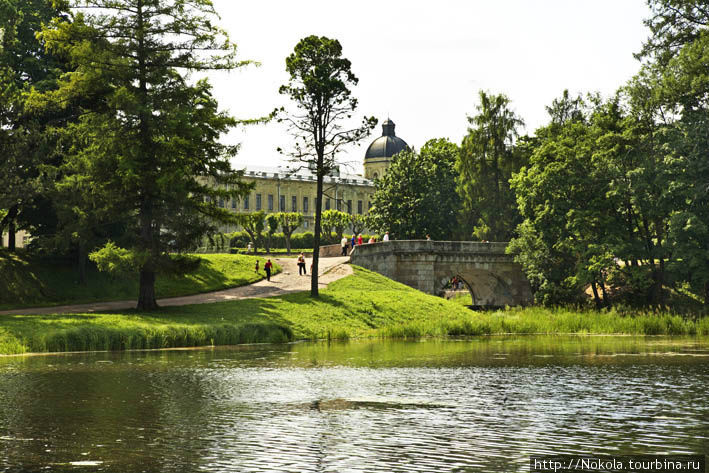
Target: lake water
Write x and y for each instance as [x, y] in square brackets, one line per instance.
[473, 405]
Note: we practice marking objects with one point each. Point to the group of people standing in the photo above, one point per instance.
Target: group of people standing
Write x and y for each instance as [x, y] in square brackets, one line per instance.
[358, 240]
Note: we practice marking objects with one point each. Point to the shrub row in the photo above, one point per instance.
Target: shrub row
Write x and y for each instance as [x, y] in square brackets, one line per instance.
[298, 240]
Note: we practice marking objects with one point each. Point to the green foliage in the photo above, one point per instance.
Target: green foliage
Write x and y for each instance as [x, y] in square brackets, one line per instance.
[487, 161]
[26, 138]
[335, 220]
[358, 223]
[612, 201]
[417, 195]
[271, 227]
[145, 137]
[289, 222]
[298, 240]
[117, 261]
[253, 224]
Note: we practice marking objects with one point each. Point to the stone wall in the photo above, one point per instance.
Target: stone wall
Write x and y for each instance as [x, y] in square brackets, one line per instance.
[329, 251]
[491, 275]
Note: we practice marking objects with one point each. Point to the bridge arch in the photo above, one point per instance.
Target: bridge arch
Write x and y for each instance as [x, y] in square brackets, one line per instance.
[491, 275]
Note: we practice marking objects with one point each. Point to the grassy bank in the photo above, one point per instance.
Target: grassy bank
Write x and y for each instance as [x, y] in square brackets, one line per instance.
[362, 305]
[27, 281]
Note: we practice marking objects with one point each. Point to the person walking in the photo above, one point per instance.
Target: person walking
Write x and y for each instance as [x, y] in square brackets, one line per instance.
[354, 241]
[343, 243]
[257, 266]
[301, 265]
[359, 239]
[386, 237]
[372, 239]
[268, 267]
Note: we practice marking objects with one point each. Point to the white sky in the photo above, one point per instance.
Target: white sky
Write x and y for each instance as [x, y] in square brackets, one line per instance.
[422, 62]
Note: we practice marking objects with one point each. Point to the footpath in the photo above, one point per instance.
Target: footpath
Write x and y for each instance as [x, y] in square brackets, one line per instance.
[286, 282]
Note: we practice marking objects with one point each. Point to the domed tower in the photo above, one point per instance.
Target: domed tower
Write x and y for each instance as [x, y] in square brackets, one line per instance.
[378, 157]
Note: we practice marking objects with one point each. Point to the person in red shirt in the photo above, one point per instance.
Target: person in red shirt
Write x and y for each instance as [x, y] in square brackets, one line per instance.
[359, 239]
[268, 267]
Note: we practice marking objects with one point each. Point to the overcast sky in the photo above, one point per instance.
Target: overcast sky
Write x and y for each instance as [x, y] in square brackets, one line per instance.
[422, 62]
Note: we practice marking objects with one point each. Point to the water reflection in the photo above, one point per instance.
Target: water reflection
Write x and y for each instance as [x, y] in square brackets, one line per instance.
[473, 405]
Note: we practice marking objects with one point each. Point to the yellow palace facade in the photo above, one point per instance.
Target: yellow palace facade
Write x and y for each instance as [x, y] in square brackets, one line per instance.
[293, 189]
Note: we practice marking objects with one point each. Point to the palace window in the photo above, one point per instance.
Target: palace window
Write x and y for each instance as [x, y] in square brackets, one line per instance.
[359, 207]
[305, 205]
[327, 204]
[246, 203]
[258, 201]
[349, 206]
[294, 203]
[233, 203]
[270, 202]
[221, 202]
[282, 203]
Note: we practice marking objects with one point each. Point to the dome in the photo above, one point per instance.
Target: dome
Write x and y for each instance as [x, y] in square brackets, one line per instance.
[386, 145]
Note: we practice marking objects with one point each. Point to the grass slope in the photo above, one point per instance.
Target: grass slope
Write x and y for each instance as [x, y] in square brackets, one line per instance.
[27, 281]
[362, 305]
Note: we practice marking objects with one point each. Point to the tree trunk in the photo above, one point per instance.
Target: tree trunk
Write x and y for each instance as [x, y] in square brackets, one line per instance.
[81, 263]
[316, 239]
[11, 243]
[606, 298]
[596, 299]
[706, 293]
[287, 237]
[9, 220]
[146, 296]
[146, 291]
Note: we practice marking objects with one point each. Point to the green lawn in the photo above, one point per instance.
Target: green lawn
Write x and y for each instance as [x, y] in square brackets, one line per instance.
[27, 281]
[362, 305]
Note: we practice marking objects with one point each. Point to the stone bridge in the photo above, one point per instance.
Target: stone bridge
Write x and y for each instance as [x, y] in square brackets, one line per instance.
[491, 275]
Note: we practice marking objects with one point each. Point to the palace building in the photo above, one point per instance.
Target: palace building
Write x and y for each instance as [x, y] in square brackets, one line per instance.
[293, 189]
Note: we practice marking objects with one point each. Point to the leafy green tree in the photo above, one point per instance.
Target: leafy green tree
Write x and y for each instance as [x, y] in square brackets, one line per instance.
[253, 224]
[25, 141]
[357, 223]
[672, 92]
[595, 193]
[335, 220]
[153, 137]
[289, 222]
[487, 162]
[271, 228]
[319, 86]
[417, 196]
[673, 24]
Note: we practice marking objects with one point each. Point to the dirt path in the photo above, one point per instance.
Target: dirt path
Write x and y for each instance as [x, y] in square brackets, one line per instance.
[288, 281]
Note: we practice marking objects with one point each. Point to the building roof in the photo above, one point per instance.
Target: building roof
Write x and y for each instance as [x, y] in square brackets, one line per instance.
[298, 174]
[386, 145]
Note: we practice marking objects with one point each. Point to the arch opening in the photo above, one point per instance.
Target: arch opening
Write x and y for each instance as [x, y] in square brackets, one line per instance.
[456, 287]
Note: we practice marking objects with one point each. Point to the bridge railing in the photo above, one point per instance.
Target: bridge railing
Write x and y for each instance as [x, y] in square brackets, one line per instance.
[430, 246]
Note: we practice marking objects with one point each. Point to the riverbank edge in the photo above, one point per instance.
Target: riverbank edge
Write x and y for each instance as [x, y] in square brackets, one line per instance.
[361, 339]
[364, 305]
